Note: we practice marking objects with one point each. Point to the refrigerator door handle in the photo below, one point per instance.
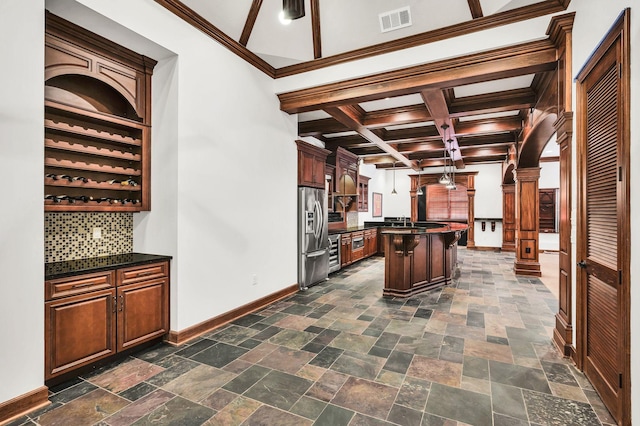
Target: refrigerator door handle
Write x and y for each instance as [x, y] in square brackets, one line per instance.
[317, 253]
[319, 220]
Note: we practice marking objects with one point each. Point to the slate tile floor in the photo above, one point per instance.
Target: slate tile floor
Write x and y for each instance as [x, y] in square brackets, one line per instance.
[477, 352]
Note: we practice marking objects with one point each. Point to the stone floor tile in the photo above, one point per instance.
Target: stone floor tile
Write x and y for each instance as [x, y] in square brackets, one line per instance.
[435, 370]
[219, 355]
[139, 408]
[518, 376]
[126, 375]
[235, 413]
[286, 359]
[278, 389]
[551, 410]
[199, 382]
[367, 397]
[85, 410]
[459, 404]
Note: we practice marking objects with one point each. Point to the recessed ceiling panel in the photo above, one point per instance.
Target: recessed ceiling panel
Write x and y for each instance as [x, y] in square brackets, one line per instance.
[520, 82]
[398, 101]
[490, 115]
[410, 125]
[353, 24]
[228, 16]
[514, 4]
[275, 40]
[312, 115]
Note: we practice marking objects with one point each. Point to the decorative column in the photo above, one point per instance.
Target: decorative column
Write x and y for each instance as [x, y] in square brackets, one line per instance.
[509, 217]
[560, 32]
[527, 221]
[471, 215]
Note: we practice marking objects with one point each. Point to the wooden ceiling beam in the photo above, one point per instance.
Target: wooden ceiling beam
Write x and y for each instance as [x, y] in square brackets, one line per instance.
[494, 125]
[394, 116]
[508, 100]
[437, 106]
[315, 29]
[191, 17]
[250, 22]
[476, 8]
[512, 61]
[352, 117]
[321, 126]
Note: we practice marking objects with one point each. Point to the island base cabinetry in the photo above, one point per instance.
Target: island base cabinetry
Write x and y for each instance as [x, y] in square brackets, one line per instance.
[416, 262]
[91, 317]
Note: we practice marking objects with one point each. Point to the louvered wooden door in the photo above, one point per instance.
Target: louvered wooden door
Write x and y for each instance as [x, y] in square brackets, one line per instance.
[600, 250]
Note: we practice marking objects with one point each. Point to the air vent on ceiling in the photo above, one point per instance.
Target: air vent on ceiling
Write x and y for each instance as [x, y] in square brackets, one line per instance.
[395, 19]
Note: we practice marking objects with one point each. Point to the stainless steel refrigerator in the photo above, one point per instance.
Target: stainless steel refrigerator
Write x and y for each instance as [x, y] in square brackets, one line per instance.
[313, 237]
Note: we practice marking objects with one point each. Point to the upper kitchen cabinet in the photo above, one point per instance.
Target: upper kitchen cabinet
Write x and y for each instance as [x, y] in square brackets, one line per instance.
[97, 122]
[311, 165]
[363, 193]
[345, 191]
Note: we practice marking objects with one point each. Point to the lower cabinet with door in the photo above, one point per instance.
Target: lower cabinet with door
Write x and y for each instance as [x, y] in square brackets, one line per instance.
[93, 316]
[358, 245]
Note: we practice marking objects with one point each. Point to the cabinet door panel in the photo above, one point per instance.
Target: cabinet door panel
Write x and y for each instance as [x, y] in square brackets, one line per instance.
[143, 310]
[78, 330]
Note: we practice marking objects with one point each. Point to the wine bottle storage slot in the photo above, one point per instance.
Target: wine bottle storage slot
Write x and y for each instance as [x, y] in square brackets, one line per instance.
[70, 146]
[93, 133]
[78, 165]
[78, 182]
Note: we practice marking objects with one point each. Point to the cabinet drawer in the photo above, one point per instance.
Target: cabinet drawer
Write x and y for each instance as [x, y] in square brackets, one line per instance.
[78, 284]
[142, 273]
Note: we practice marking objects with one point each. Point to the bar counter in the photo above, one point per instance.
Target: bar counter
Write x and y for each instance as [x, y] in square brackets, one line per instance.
[419, 259]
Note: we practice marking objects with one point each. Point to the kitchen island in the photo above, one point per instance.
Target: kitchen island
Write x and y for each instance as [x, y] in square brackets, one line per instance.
[419, 258]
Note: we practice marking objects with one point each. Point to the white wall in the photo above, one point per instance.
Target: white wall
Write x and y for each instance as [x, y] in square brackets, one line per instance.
[22, 216]
[376, 184]
[224, 169]
[549, 178]
[593, 19]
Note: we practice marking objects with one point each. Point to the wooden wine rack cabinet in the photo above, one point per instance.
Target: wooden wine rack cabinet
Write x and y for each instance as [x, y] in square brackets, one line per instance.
[97, 124]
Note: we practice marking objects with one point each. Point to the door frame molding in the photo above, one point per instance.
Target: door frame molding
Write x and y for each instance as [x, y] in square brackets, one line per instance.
[619, 31]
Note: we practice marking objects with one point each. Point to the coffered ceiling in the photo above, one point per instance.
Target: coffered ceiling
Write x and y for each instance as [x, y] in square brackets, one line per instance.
[401, 116]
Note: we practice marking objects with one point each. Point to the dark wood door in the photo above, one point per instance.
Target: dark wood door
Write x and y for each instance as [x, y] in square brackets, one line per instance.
[602, 245]
[79, 330]
[142, 312]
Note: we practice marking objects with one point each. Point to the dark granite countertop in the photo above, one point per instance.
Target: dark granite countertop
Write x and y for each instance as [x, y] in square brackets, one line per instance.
[352, 229]
[445, 227]
[101, 263]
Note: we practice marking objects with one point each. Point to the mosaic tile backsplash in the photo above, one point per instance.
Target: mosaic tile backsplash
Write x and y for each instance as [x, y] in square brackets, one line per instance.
[69, 236]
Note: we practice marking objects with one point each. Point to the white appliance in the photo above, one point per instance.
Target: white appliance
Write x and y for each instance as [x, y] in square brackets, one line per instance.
[313, 237]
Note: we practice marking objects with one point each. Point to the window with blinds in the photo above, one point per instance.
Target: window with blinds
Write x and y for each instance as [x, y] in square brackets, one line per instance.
[445, 204]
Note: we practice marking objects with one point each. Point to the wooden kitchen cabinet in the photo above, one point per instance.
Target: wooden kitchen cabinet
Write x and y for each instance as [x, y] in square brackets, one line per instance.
[345, 249]
[370, 242]
[91, 317]
[363, 193]
[357, 246]
[80, 322]
[311, 165]
[143, 306]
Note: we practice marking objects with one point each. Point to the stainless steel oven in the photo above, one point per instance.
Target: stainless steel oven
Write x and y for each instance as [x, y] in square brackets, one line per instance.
[334, 252]
[357, 242]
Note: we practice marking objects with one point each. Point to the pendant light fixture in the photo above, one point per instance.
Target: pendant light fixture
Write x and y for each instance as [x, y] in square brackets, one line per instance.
[452, 183]
[393, 191]
[292, 9]
[444, 179]
[419, 191]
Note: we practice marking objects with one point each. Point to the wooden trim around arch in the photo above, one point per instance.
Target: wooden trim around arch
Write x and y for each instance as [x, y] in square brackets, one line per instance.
[432, 178]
